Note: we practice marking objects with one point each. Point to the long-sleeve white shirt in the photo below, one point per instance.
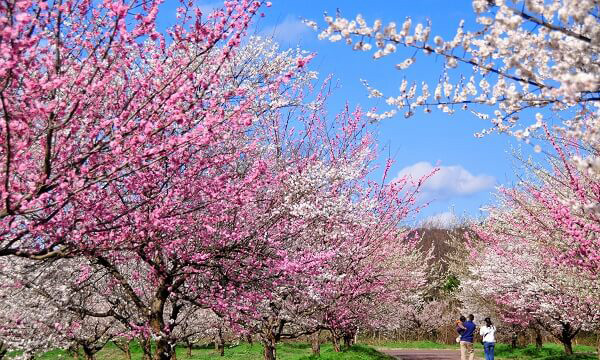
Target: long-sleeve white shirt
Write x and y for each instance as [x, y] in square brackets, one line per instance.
[488, 333]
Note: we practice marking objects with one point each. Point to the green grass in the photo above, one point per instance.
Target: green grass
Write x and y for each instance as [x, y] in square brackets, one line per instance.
[285, 351]
[548, 352]
[302, 351]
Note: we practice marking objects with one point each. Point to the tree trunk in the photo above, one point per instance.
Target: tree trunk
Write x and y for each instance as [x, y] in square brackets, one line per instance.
[566, 337]
[189, 348]
[514, 337]
[598, 344]
[348, 340]
[538, 338]
[249, 339]
[220, 342]
[146, 348]
[123, 345]
[336, 341]
[72, 350]
[164, 351]
[270, 350]
[568, 346]
[316, 343]
[3, 349]
[88, 353]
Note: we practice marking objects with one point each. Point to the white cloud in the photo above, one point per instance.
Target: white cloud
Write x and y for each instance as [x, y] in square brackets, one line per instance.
[448, 181]
[289, 31]
[445, 220]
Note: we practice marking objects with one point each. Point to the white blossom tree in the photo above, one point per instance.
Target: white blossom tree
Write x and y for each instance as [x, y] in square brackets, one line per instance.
[512, 269]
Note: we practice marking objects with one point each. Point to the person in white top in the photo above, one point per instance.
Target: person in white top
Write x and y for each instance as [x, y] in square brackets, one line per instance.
[488, 332]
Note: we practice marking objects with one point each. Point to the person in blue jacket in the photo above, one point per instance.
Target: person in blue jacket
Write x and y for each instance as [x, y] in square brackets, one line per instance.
[467, 332]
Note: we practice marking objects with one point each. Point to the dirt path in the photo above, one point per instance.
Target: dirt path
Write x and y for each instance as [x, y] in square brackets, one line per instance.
[422, 354]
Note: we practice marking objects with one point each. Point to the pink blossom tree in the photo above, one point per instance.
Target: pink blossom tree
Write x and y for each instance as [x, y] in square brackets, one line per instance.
[63, 150]
[169, 175]
[168, 171]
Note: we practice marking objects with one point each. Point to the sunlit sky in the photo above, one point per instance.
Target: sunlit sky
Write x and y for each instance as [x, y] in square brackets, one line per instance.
[470, 168]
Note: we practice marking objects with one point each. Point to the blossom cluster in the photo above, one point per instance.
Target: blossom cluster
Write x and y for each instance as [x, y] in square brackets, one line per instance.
[525, 55]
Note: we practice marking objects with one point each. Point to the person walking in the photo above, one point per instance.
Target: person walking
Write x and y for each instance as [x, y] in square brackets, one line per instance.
[488, 332]
[466, 338]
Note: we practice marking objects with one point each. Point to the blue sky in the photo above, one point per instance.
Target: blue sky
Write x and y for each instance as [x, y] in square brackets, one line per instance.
[470, 168]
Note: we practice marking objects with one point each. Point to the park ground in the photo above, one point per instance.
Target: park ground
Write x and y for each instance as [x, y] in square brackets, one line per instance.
[415, 350]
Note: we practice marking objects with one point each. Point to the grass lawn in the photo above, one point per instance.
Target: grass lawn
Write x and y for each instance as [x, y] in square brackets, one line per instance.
[548, 352]
[285, 351]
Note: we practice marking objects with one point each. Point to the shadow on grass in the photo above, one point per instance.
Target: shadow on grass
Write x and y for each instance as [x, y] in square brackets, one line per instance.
[356, 352]
[209, 346]
[296, 345]
[369, 352]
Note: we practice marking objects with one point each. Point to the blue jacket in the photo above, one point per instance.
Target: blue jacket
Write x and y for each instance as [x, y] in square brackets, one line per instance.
[467, 335]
